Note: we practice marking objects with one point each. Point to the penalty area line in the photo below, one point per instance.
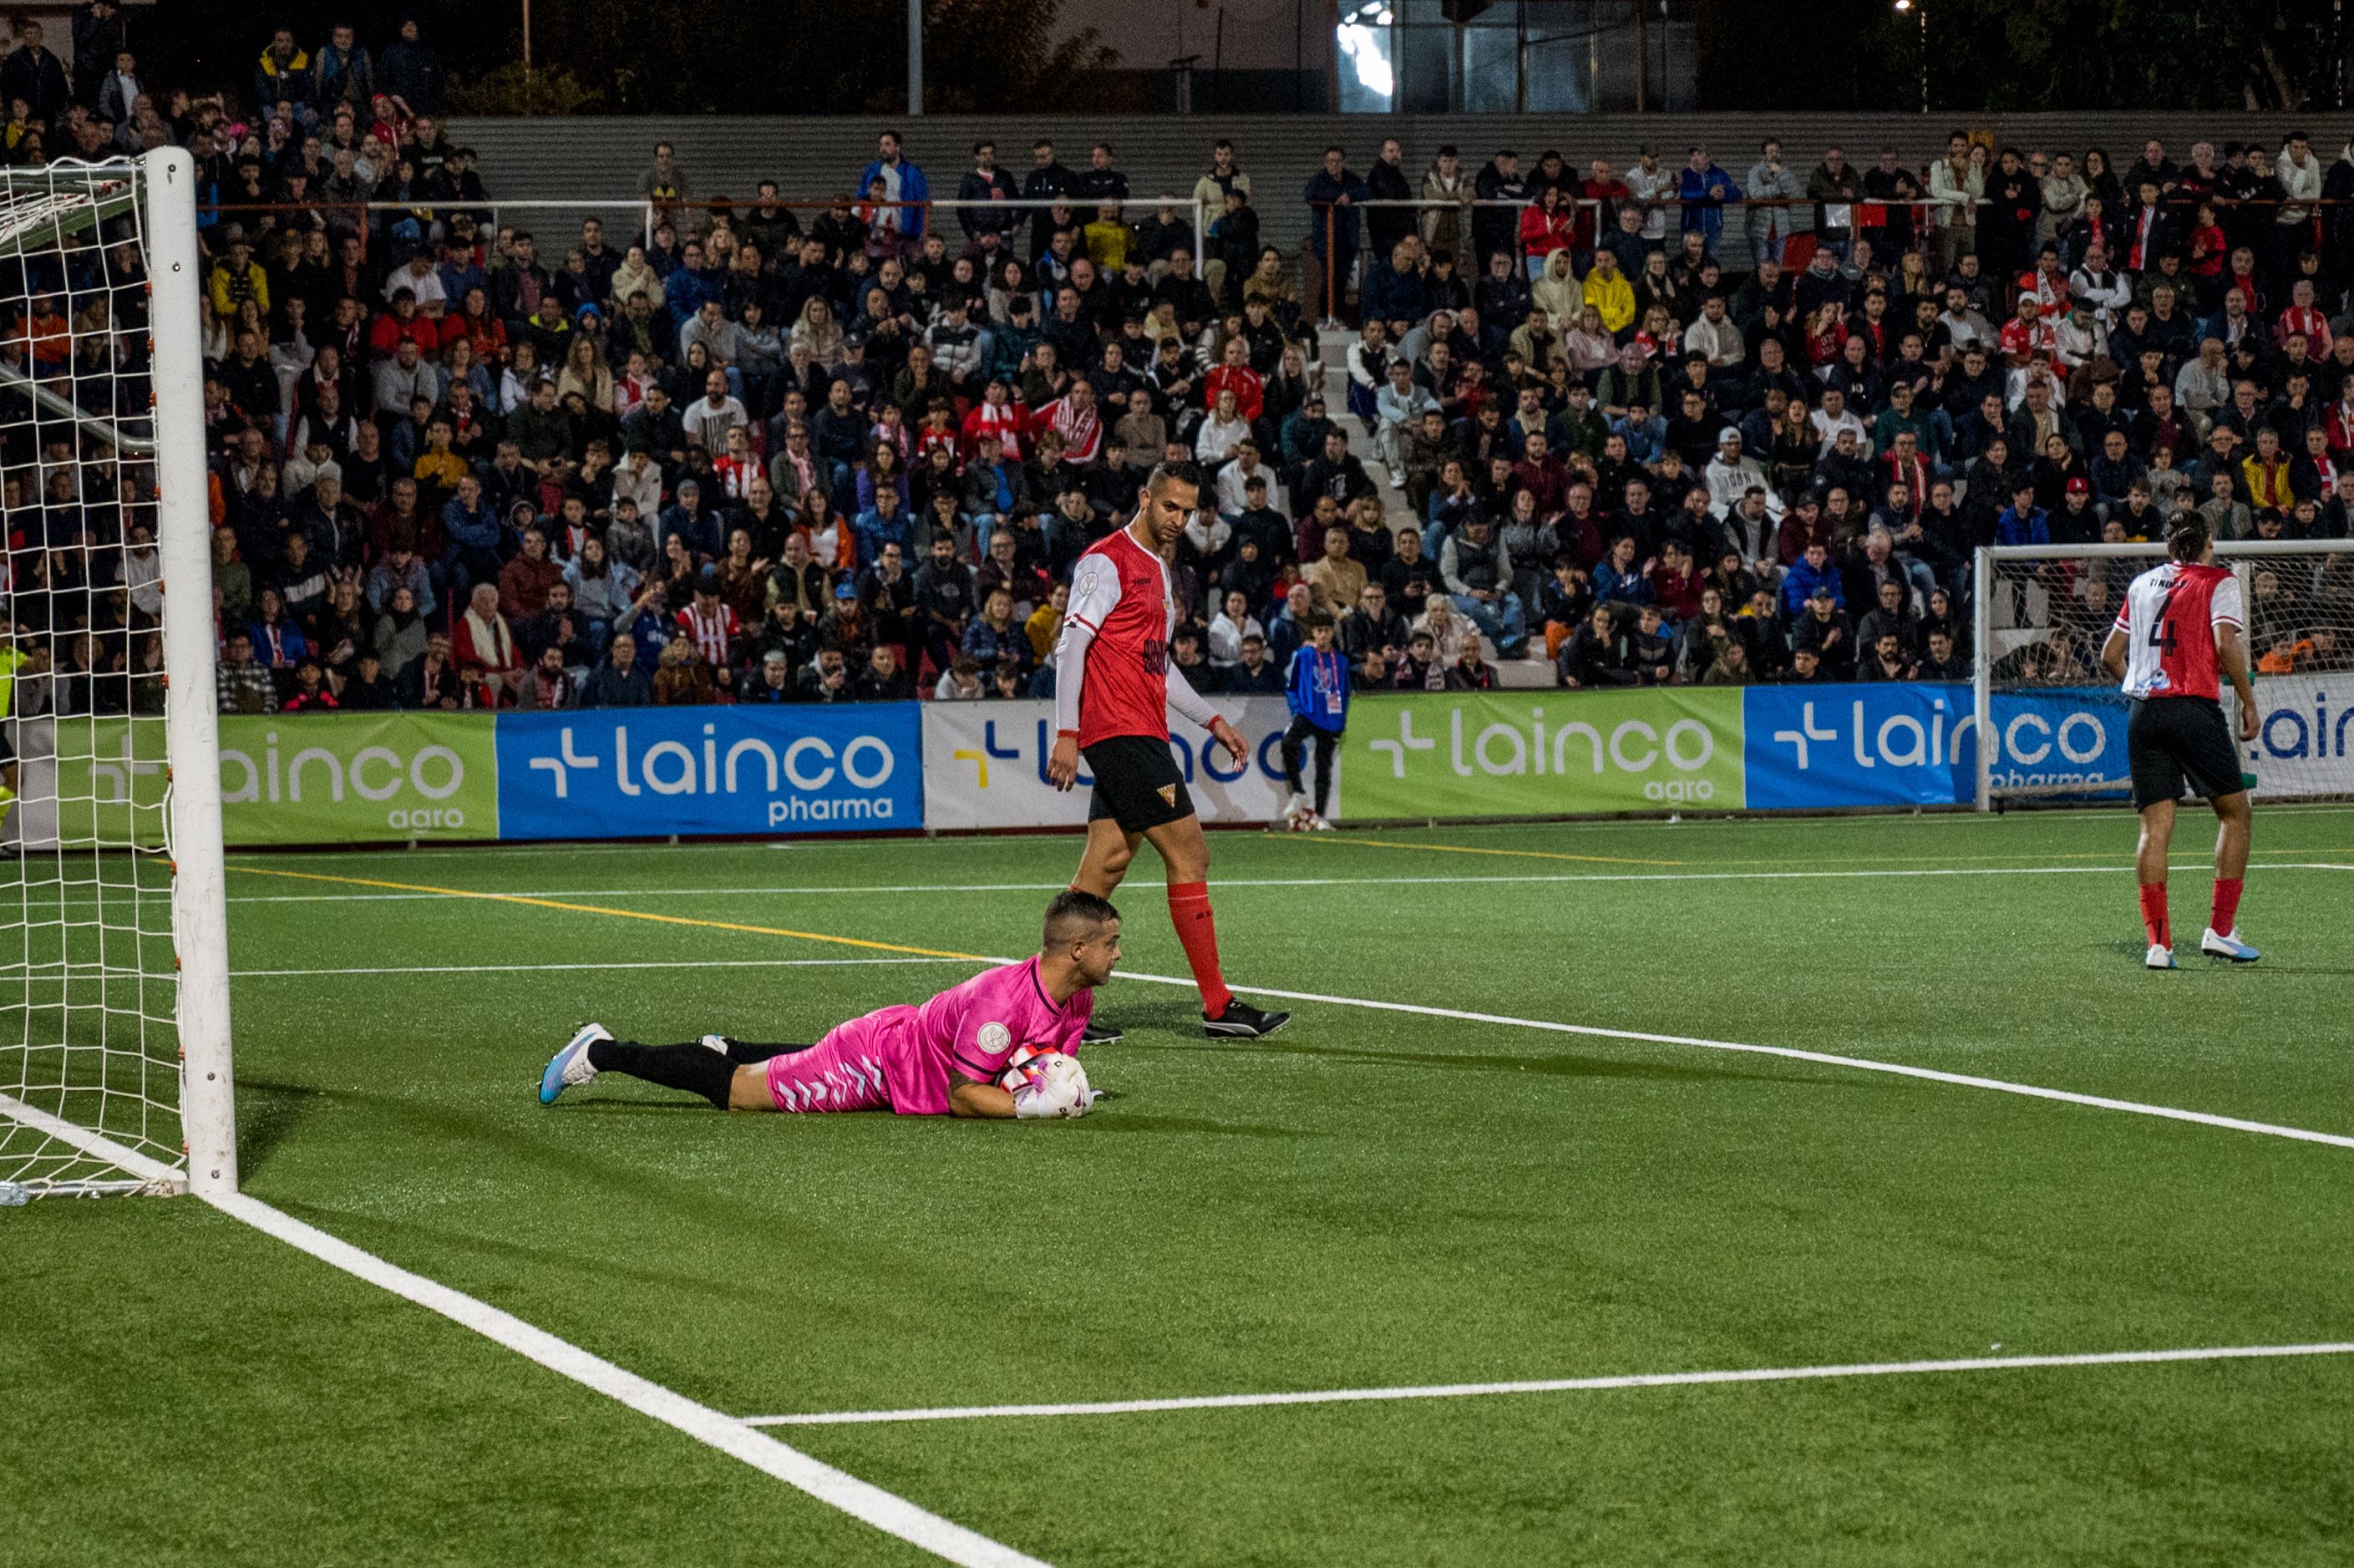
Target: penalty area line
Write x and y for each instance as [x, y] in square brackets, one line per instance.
[1557, 1385]
[1824, 1058]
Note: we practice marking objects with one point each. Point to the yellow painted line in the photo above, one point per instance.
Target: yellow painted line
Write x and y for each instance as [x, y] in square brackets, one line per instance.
[1469, 849]
[606, 909]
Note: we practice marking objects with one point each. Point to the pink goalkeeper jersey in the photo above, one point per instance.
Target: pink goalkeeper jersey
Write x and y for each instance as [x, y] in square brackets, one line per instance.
[973, 1029]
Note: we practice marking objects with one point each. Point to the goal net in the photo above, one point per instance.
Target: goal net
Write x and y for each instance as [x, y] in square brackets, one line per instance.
[2055, 719]
[114, 1071]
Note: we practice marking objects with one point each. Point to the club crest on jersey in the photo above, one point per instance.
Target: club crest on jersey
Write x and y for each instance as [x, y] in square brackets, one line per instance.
[1168, 793]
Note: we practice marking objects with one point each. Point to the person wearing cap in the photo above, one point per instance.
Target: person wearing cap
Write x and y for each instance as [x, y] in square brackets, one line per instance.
[692, 520]
[1730, 476]
[237, 277]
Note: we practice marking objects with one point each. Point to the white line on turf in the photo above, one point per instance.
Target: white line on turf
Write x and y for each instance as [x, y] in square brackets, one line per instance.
[590, 968]
[763, 892]
[1826, 1058]
[886, 1511]
[1554, 1385]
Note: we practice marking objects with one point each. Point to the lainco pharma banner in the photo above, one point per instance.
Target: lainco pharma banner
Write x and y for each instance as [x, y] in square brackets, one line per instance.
[865, 768]
[985, 765]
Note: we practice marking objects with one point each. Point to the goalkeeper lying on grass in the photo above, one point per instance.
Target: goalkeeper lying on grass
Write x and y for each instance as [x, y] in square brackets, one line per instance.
[1001, 1045]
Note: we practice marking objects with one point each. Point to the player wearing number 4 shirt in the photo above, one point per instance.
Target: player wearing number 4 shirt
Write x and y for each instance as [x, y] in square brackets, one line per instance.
[1002, 1044]
[2178, 630]
[1113, 688]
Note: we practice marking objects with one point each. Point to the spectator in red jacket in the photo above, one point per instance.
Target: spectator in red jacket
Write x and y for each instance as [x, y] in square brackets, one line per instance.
[1546, 226]
[1236, 375]
[403, 323]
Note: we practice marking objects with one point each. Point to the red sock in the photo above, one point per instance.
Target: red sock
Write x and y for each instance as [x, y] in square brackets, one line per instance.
[2227, 905]
[2153, 913]
[1188, 911]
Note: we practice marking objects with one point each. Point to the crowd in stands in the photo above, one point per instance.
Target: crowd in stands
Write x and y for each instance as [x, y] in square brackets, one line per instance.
[780, 456]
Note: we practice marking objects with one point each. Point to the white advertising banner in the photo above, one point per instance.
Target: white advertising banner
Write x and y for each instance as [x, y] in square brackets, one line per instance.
[985, 765]
[2304, 727]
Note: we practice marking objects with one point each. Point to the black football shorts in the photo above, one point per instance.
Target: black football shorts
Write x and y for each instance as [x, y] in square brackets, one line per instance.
[2170, 741]
[1138, 783]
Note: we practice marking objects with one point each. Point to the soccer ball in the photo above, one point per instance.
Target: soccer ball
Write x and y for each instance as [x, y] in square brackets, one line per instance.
[1052, 1085]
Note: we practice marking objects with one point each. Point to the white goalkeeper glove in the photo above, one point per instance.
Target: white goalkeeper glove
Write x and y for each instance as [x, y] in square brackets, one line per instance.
[1050, 1084]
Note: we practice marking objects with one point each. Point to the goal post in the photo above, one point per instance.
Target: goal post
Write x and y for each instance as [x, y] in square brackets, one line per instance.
[115, 1067]
[192, 730]
[2042, 613]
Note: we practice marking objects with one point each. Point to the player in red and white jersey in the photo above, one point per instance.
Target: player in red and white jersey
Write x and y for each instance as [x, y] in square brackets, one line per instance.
[2176, 638]
[1113, 688]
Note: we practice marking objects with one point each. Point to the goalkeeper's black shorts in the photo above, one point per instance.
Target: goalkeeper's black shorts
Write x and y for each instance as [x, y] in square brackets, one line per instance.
[2170, 741]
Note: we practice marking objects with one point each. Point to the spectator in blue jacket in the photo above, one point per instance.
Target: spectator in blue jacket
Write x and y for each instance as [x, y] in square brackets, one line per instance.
[887, 522]
[1393, 291]
[1809, 571]
[693, 282]
[994, 637]
[1705, 188]
[2022, 522]
[472, 529]
[902, 181]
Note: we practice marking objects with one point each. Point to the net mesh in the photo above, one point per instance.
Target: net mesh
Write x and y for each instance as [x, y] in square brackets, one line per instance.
[2049, 618]
[87, 1005]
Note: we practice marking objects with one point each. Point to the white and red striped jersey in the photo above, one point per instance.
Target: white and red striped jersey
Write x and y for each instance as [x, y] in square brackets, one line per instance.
[2169, 619]
[711, 632]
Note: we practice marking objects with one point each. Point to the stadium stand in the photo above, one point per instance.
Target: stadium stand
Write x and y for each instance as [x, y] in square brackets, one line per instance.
[783, 395]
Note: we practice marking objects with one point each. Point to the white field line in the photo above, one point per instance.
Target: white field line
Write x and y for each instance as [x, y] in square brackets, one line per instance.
[885, 1511]
[1950, 821]
[477, 969]
[1825, 1058]
[2120, 869]
[1553, 1385]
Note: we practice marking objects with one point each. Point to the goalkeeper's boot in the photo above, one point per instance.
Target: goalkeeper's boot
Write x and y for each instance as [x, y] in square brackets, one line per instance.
[2227, 947]
[1095, 1031]
[571, 1065]
[2160, 957]
[1241, 1021]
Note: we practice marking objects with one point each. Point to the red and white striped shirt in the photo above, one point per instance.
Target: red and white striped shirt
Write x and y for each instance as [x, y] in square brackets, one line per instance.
[2310, 321]
[1081, 429]
[711, 632]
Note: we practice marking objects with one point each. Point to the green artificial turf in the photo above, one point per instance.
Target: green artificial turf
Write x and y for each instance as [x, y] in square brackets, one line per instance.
[1369, 1199]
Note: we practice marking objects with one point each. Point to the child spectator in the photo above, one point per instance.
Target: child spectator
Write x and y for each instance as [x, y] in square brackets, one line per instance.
[1318, 696]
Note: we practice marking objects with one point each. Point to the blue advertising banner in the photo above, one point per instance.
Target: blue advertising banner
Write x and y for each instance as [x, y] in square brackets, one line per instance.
[648, 772]
[1811, 748]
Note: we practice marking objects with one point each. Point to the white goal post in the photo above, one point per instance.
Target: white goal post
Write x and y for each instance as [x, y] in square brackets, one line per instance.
[2055, 718]
[115, 1070]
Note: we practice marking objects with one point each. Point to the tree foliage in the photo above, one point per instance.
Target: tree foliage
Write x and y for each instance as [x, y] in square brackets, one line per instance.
[511, 89]
[721, 56]
[2016, 56]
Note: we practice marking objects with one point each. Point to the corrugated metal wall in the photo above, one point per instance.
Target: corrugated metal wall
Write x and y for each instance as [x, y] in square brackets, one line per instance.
[602, 157]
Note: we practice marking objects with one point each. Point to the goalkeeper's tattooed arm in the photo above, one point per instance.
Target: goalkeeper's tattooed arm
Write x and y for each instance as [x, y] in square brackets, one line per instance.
[971, 1099]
